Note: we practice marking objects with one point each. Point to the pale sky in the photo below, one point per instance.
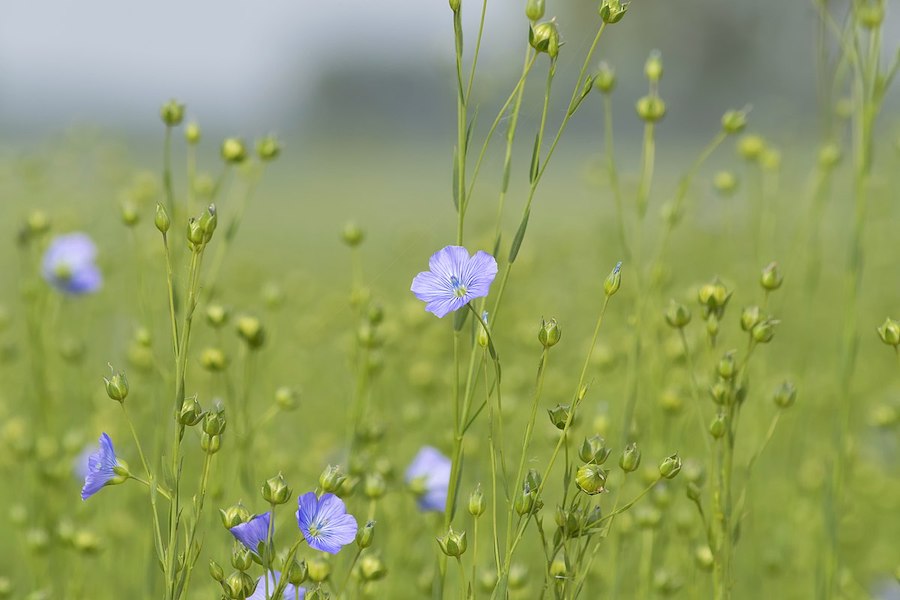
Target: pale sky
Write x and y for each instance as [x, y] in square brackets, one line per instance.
[110, 61]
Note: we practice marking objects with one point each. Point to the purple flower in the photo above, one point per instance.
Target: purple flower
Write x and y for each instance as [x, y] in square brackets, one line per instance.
[454, 279]
[429, 475]
[291, 592]
[68, 264]
[254, 532]
[102, 468]
[324, 522]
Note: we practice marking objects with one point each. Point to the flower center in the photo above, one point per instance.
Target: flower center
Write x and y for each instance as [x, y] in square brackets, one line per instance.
[459, 290]
[62, 271]
[315, 528]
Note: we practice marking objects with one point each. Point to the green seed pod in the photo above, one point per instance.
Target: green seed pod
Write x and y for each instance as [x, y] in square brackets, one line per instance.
[241, 557]
[213, 359]
[544, 37]
[297, 572]
[215, 571]
[559, 415]
[371, 568]
[276, 491]
[210, 443]
[829, 156]
[318, 569]
[727, 366]
[374, 486]
[208, 220]
[785, 395]
[630, 459]
[192, 133]
[549, 333]
[651, 108]
[889, 332]
[750, 317]
[352, 235]
[605, 79]
[751, 147]
[718, 427]
[476, 502]
[116, 386]
[250, 330]
[590, 479]
[734, 121]
[216, 315]
[534, 10]
[172, 113]
[287, 398]
[770, 278]
[678, 315]
[233, 151]
[190, 412]
[234, 515]
[268, 148]
[161, 220]
[764, 331]
[612, 11]
[365, 535]
[670, 466]
[453, 543]
[725, 182]
[594, 450]
[653, 68]
[331, 479]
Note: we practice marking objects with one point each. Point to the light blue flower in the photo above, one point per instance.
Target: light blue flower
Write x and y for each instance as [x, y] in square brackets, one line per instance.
[325, 523]
[254, 532]
[429, 475]
[454, 279]
[291, 592]
[68, 264]
[103, 468]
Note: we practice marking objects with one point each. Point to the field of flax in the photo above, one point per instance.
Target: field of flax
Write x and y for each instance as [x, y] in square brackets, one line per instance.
[595, 370]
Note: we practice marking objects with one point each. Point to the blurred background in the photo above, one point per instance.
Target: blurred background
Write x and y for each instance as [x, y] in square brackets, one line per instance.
[357, 68]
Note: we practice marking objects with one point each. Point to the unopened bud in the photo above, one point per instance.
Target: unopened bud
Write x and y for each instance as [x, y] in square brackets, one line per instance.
[750, 316]
[613, 281]
[275, 490]
[670, 466]
[630, 459]
[653, 68]
[750, 147]
[718, 427]
[764, 331]
[190, 412]
[234, 515]
[605, 78]
[559, 415]
[192, 133]
[161, 220]
[651, 108]
[116, 386]
[453, 543]
[734, 121]
[771, 278]
[268, 148]
[215, 571]
[476, 502]
[785, 395]
[612, 11]
[233, 150]
[678, 315]
[727, 366]
[534, 10]
[544, 37]
[594, 450]
[251, 331]
[549, 333]
[889, 332]
[725, 182]
[172, 113]
[331, 479]
[365, 535]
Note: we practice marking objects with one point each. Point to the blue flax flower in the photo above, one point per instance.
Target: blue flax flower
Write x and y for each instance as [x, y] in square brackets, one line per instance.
[454, 279]
[291, 592]
[254, 532]
[102, 468]
[68, 264]
[324, 522]
[429, 475]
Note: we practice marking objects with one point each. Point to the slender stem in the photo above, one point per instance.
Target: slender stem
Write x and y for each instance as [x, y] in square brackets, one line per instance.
[695, 387]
